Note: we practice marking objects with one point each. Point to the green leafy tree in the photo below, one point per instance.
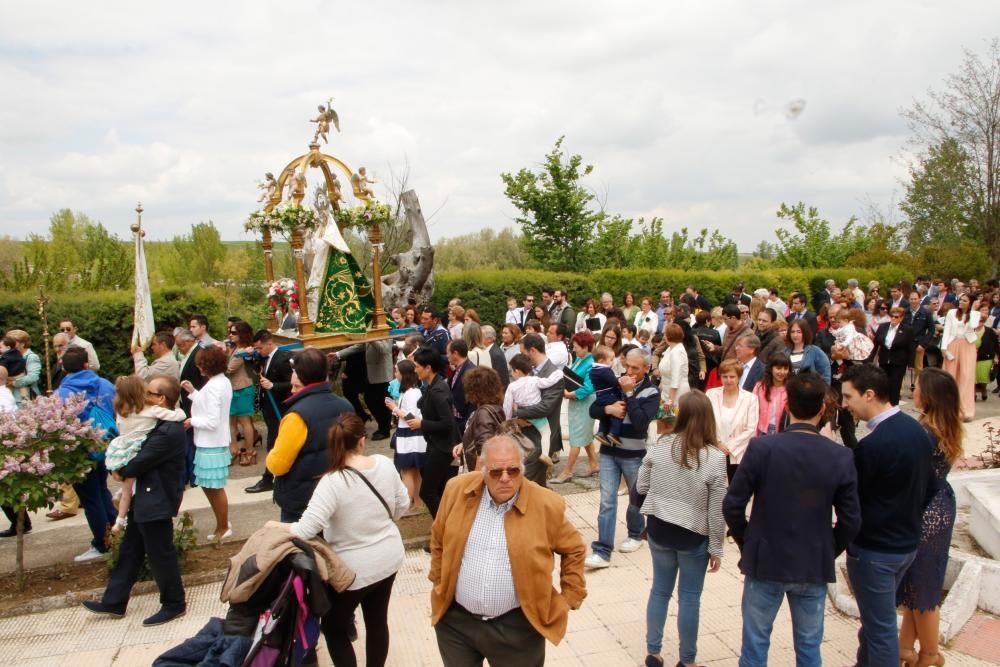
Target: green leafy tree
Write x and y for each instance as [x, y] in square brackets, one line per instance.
[614, 238]
[192, 258]
[557, 213]
[940, 204]
[967, 112]
[812, 244]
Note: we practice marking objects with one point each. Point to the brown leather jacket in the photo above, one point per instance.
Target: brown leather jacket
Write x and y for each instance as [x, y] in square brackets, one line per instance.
[536, 528]
[267, 547]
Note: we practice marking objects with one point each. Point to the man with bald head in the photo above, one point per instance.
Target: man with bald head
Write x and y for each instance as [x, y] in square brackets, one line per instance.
[492, 554]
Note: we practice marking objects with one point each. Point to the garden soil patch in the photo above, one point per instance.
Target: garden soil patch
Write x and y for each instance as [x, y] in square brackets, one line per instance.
[204, 564]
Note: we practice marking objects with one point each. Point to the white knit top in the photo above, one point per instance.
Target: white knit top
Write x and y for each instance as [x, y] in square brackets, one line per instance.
[355, 523]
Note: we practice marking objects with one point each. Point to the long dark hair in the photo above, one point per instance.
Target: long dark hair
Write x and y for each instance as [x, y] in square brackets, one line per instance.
[345, 436]
[695, 426]
[779, 360]
[407, 375]
[942, 410]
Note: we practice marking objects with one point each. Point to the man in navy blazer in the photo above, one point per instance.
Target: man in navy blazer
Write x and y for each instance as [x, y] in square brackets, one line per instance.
[895, 482]
[788, 547]
[159, 472]
[746, 350]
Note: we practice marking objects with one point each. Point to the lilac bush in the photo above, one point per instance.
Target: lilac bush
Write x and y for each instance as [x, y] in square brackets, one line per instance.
[42, 446]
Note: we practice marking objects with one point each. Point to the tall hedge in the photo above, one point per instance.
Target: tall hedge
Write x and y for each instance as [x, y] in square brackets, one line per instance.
[486, 291]
[105, 319]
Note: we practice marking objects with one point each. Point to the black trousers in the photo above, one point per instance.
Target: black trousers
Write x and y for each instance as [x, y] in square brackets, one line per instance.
[153, 540]
[510, 640]
[375, 400]
[338, 622]
[896, 375]
[11, 515]
[272, 422]
[433, 478]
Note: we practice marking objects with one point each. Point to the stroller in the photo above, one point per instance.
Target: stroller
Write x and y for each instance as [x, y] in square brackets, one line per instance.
[278, 626]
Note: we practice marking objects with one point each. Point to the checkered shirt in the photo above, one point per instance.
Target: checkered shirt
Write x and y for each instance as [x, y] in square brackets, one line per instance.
[485, 583]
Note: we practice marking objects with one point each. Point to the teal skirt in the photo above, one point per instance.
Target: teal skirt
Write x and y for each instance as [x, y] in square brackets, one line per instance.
[242, 405]
[211, 467]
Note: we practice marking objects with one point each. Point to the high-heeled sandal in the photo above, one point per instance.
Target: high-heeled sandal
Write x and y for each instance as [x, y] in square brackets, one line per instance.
[235, 456]
[907, 657]
[248, 457]
[925, 660]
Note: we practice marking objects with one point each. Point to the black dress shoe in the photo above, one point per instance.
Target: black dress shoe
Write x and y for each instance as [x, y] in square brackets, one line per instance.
[379, 435]
[260, 487]
[12, 531]
[98, 607]
[165, 615]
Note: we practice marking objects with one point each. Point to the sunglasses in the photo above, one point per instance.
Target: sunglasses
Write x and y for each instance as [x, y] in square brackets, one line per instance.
[233, 332]
[884, 309]
[66, 329]
[512, 472]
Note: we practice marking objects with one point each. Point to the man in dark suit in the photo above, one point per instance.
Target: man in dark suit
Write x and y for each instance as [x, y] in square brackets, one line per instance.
[788, 547]
[497, 358]
[824, 296]
[922, 331]
[746, 353]
[893, 342]
[797, 304]
[158, 471]
[274, 387]
[188, 346]
[737, 297]
[895, 482]
[458, 358]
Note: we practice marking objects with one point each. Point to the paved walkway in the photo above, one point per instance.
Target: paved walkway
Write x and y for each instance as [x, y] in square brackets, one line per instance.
[608, 630]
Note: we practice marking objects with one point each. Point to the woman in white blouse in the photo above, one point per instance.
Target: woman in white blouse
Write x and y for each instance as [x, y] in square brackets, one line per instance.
[646, 317]
[674, 367]
[355, 506]
[958, 345]
[210, 422]
[736, 414]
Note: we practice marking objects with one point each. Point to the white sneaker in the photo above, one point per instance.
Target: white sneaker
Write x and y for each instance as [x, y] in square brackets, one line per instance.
[630, 545]
[595, 562]
[88, 555]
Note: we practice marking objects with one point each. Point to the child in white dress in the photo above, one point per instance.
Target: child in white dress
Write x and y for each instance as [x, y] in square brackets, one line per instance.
[135, 420]
[525, 390]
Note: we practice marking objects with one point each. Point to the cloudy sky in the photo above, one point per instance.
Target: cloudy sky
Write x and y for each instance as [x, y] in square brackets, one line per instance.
[682, 107]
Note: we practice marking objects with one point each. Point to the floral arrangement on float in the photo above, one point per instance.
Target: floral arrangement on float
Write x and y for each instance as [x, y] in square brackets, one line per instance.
[283, 295]
[44, 445]
[283, 219]
[365, 216]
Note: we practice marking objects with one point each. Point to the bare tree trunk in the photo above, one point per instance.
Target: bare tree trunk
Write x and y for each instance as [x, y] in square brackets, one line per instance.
[22, 581]
[415, 278]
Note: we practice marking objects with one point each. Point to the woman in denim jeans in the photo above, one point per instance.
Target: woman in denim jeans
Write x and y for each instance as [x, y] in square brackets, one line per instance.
[683, 478]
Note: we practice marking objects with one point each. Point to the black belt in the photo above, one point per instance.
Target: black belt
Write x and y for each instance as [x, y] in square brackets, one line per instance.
[485, 619]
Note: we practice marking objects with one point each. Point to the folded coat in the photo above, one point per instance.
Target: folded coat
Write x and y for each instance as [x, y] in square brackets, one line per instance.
[267, 547]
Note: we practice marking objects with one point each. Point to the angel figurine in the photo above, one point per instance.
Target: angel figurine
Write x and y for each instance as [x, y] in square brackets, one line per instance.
[361, 184]
[326, 116]
[335, 195]
[267, 187]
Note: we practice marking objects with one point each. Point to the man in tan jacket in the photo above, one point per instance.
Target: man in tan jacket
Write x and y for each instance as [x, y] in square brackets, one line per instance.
[492, 554]
[164, 362]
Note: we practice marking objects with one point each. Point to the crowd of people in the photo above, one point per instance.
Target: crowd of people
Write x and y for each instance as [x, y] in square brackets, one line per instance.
[691, 410]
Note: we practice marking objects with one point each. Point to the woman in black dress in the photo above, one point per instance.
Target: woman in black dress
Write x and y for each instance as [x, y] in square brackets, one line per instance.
[920, 591]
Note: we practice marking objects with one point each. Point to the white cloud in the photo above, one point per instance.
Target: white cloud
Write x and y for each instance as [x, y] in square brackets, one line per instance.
[678, 105]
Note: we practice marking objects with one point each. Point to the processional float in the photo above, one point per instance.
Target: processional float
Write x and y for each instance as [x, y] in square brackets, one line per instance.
[335, 302]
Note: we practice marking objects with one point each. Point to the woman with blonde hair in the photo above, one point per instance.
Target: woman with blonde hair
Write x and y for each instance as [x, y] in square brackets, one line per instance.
[683, 477]
[736, 413]
[26, 385]
[473, 337]
[920, 591]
